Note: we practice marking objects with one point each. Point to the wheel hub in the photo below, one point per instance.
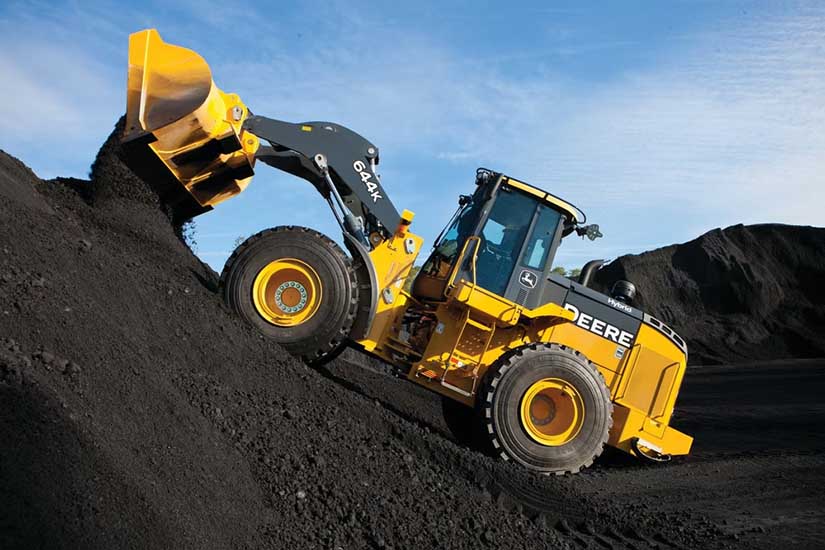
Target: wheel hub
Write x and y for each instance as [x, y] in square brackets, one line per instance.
[287, 292]
[542, 410]
[552, 412]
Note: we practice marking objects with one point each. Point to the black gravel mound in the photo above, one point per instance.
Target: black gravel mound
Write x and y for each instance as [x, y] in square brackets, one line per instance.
[136, 412]
[742, 293]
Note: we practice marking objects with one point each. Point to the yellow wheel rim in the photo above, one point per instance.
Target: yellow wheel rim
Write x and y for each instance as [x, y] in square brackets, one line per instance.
[287, 292]
[552, 412]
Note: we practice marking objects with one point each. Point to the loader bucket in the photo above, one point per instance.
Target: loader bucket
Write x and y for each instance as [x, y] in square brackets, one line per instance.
[183, 135]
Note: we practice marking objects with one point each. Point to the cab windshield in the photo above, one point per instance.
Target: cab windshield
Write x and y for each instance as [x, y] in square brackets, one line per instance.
[461, 227]
[518, 232]
[503, 237]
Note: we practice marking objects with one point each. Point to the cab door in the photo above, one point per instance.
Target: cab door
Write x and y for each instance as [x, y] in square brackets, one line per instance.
[517, 243]
[530, 277]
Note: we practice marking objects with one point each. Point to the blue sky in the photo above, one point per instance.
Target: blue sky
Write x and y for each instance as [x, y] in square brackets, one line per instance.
[661, 120]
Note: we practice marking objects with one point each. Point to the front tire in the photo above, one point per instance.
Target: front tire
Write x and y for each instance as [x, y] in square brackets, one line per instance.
[548, 408]
[297, 287]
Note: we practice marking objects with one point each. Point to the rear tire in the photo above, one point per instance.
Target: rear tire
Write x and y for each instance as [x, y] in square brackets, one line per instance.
[547, 408]
[297, 287]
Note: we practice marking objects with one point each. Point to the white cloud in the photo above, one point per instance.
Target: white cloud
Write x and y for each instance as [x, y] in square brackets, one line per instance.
[702, 138]
[704, 129]
[61, 97]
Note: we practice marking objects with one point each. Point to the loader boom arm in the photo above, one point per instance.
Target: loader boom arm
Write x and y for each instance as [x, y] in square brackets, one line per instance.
[197, 145]
[329, 155]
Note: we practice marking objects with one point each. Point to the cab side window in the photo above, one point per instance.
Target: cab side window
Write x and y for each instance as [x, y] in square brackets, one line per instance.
[541, 240]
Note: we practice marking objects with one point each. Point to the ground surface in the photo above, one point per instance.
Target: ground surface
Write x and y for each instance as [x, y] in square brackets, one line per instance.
[137, 412]
[756, 475]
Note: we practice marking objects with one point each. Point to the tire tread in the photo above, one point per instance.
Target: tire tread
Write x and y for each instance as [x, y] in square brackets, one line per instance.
[510, 361]
[326, 349]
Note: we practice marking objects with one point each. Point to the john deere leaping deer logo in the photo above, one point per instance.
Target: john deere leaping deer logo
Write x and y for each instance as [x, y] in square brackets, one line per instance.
[527, 279]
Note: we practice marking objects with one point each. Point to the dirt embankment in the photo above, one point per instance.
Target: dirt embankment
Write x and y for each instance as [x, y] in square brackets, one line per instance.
[136, 412]
[737, 294]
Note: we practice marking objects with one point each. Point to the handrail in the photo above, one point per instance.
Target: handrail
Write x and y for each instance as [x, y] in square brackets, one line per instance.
[476, 239]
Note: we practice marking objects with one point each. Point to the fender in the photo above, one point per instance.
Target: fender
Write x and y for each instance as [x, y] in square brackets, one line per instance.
[368, 302]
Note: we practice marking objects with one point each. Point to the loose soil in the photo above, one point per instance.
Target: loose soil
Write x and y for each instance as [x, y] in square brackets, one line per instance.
[137, 412]
[744, 293]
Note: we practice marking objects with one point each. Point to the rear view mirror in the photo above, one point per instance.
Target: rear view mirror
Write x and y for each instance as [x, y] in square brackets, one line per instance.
[592, 232]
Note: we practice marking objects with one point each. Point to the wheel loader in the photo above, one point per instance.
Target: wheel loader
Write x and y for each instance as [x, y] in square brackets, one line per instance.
[537, 368]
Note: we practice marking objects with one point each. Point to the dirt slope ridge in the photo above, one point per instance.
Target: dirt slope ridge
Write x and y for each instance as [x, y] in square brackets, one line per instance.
[136, 412]
[741, 293]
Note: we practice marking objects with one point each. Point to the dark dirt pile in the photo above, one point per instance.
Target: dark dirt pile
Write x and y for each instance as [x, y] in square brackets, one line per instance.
[136, 412]
[742, 293]
[111, 178]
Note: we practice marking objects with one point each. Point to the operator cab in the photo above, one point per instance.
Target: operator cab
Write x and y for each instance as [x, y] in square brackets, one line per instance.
[509, 231]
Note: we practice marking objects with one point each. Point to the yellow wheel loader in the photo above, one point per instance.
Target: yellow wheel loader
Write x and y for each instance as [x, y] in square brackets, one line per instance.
[540, 369]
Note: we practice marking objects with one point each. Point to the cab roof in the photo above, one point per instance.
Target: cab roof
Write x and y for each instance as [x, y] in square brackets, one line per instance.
[551, 200]
[574, 213]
